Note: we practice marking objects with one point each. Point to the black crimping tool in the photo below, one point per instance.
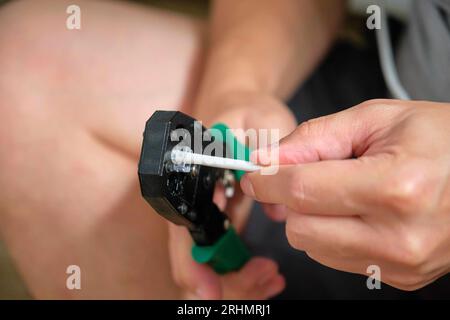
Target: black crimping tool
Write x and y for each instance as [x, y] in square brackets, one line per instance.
[183, 193]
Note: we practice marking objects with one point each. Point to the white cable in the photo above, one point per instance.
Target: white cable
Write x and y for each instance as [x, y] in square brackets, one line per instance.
[387, 60]
[180, 157]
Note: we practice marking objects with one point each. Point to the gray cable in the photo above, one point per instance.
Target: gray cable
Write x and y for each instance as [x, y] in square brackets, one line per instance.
[386, 55]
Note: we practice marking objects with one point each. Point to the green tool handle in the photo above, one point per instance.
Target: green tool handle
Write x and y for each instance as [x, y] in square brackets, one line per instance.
[238, 150]
[228, 254]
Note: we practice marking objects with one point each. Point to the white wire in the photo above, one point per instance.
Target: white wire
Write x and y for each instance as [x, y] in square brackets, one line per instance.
[180, 157]
[387, 60]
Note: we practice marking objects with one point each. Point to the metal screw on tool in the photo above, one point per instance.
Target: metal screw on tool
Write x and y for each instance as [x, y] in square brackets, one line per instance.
[183, 208]
[228, 183]
[207, 180]
[168, 166]
[195, 170]
[192, 215]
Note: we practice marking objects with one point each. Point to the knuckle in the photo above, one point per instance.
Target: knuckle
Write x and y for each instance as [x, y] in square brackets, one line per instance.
[308, 128]
[375, 103]
[407, 193]
[304, 128]
[414, 253]
[378, 106]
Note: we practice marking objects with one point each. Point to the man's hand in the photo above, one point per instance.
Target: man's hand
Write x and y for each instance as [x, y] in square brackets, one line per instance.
[369, 185]
[259, 278]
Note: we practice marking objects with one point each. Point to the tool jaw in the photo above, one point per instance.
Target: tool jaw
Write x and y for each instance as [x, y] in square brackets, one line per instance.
[182, 195]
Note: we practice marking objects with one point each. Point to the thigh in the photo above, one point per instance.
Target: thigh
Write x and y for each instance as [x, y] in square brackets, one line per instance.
[73, 106]
[109, 76]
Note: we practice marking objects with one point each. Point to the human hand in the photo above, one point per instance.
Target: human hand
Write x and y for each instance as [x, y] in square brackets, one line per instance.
[368, 186]
[259, 278]
[242, 111]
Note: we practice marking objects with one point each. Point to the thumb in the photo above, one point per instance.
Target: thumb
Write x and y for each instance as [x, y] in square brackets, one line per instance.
[342, 135]
[198, 279]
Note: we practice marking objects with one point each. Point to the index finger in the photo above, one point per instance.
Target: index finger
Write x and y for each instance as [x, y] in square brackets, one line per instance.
[332, 187]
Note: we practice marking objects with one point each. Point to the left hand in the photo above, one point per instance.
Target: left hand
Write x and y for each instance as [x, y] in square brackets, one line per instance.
[260, 277]
[368, 186]
[244, 111]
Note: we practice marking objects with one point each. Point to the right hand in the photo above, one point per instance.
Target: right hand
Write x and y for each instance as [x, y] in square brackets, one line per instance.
[368, 186]
[259, 278]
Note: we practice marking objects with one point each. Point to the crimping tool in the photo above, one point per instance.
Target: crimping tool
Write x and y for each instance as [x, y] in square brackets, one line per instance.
[183, 192]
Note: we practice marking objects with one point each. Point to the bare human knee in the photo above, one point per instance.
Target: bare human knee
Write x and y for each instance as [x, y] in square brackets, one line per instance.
[56, 82]
[96, 64]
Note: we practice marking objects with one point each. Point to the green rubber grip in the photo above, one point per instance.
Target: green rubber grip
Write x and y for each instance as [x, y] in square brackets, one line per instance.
[228, 254]
[238, 150]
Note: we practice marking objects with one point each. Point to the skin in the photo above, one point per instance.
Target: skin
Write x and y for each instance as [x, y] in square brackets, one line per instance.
[369, 185]
[73, 107]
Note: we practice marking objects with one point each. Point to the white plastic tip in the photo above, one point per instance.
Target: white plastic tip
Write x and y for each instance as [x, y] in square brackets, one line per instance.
[181, 157]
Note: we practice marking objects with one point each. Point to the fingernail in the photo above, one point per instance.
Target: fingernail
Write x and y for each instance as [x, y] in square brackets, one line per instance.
[246, 186]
